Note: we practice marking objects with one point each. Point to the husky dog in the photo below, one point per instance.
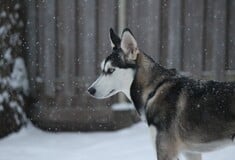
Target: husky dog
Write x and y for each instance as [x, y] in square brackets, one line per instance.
[186, 116]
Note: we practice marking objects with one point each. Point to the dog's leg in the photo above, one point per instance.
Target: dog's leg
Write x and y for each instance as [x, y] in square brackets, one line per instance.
[166, 147]
[193, 156]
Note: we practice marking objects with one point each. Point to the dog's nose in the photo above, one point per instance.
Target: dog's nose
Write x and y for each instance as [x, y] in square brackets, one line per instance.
[92, 90]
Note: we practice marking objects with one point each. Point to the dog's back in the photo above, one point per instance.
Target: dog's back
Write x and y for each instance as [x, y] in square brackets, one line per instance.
[210, 109]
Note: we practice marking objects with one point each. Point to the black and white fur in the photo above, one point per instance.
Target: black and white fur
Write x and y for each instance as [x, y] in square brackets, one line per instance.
[186, 116]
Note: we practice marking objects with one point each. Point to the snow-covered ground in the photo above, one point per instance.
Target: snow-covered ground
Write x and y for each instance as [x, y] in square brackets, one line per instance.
[128, 144]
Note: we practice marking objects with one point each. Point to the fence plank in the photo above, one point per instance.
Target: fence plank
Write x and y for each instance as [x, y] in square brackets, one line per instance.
[40, 9]
[208, 37]
[144, 21]
[174, 34]
[31, 36]
[152, 27]
[86, 47]
[106, 18]
[122, 18]
[87, 39]
[49, 47]
[132, 10]
[231, 35]
[219, 40]
[193, 36]
[164, 31]
[60, 49]
[136, 21]
[66, 36]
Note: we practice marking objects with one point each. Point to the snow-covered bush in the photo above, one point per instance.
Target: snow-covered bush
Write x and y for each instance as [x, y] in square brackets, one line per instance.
[13, 76]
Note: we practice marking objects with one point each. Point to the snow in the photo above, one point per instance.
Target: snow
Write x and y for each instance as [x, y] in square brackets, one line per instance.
[19, 76]
[3, 31]
[4, 96]
[122, 106]
[17, 6]
[1, 99]
[14, 39]
[132, 143]
[7, 55]
[3, 14]
[15, 105]
[1, 108]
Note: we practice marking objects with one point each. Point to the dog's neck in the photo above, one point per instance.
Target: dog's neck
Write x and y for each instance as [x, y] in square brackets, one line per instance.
[148, 75]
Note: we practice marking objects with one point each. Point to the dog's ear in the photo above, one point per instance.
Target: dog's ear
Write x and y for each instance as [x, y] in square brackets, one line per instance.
[114, 39]
[129, 44]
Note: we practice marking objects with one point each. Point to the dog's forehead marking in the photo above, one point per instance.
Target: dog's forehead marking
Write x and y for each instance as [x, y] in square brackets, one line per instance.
[105, 65]
[102, 65]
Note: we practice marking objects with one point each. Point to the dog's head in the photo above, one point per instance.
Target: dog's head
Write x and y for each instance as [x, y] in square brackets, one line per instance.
[118, 69]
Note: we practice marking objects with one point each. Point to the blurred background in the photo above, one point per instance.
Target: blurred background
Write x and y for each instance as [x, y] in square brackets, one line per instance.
[51, 51]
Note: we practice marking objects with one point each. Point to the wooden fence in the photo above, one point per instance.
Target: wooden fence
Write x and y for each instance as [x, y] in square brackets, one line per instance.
[196, 37]
[68, 39]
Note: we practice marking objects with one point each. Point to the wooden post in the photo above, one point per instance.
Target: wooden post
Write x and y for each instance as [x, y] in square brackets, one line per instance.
[67, 33]
[106, 18]
[40, 23]
[31, 36]
[49, 43]
[164, 9]
[231, 34]
[143, 18]
[152, 27]
[121, 15]
[193, 36]
[208, 36]
[174, 34]
[121, 21]
[219, 39]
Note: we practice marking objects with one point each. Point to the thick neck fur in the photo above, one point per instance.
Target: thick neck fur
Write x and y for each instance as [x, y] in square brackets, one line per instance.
[148, 75]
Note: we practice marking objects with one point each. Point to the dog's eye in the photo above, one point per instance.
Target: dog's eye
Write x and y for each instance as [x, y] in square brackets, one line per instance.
[110, 70]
